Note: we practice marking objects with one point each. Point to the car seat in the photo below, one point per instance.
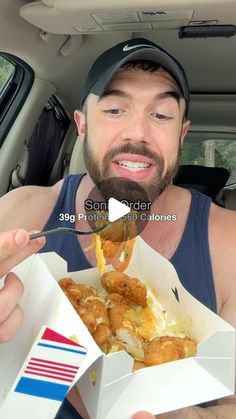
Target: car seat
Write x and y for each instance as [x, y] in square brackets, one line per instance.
[208, 180]
[77, 160]
[228, 198]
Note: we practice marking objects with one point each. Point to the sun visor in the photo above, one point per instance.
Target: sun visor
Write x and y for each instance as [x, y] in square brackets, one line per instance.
[70, 17]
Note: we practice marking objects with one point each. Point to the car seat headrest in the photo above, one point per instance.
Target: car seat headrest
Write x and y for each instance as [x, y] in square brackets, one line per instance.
[208, 180]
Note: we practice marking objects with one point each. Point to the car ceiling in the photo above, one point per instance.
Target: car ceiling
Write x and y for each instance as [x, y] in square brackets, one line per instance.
[60, 53]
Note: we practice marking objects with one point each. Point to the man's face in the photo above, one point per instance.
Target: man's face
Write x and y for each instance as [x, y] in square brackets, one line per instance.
[135, 131]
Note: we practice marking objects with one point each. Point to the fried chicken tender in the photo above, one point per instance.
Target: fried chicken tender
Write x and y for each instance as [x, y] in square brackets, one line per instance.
[132, 342]
[190, 347]
[101, 334]
[138, 365]
[115, 282]
[65, 283]
[130, 288]
[90, 321]
[99, 310]
[117, 315]
[81, 291]
[115, 298]
[136, 292]
[81, 309]
[168, 348]
[117, 309]
[76, 291]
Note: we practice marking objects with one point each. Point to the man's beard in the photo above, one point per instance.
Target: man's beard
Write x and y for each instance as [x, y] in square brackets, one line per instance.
[111, 188]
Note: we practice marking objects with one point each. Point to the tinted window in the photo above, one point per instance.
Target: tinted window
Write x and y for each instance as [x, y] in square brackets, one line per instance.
[212, 152]
[6, 71]
[16, 79]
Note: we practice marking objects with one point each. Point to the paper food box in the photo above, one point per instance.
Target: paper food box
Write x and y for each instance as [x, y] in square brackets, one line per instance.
[53, 349]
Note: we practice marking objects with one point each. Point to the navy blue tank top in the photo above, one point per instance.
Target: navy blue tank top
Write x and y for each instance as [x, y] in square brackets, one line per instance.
[191, 258]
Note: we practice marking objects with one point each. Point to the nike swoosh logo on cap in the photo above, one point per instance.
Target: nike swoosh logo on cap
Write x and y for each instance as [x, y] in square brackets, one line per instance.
[129, 47]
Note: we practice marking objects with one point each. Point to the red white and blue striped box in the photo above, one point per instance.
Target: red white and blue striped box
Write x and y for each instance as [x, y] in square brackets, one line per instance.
[52, 366]
[47, 374]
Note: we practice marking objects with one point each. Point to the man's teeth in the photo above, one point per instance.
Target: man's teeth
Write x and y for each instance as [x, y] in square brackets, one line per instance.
[134, 166]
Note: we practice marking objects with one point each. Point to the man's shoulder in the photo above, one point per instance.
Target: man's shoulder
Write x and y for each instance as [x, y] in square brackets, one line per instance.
[222, 226]
[223, 218]
[223, 245]
[28, 206]
[32, 194]
[222, 240]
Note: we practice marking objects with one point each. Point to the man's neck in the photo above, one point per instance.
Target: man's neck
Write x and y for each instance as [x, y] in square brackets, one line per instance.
[85, 187]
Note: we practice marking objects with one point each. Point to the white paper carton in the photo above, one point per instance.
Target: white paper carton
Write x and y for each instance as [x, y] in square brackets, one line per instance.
[109, 388]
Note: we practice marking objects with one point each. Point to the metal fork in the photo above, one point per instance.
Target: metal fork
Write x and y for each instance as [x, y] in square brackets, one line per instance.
[66, 230]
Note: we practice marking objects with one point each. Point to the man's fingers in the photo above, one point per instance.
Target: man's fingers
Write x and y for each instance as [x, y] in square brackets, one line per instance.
[10, 325]
[12, 242]
[10, 295]
[143, 415]
[186, 413]
[15, 246]
[11, 313]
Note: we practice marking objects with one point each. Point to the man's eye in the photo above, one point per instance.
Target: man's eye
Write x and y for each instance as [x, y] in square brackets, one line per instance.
[161, 117]
[113, 111]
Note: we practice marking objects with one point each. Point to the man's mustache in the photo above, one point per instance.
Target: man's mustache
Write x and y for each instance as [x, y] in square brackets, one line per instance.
[130, 148]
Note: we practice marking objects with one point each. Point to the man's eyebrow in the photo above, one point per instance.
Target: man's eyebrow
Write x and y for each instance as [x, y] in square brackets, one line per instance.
[171, 93]
[114, 92]
[158, 96]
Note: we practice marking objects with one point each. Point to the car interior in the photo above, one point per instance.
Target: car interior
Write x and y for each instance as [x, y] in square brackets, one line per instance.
[46, 50]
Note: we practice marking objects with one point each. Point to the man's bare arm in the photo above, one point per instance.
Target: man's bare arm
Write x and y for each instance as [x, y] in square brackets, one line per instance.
[23, 209]
[27, 207]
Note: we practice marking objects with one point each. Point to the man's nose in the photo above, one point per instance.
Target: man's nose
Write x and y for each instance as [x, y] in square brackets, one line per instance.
[137, 129]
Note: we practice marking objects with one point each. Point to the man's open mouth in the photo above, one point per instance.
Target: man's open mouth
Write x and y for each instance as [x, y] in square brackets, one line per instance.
[133, 166]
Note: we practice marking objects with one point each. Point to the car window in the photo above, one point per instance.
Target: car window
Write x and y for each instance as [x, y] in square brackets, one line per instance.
[6, 72]
[211, 151]
[16, 79]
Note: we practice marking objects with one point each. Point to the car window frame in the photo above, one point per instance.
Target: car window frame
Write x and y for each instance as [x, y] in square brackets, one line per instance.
[14, 94]
[204, 135]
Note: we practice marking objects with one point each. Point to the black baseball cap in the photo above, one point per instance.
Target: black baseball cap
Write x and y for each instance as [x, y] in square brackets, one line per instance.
[107, 64]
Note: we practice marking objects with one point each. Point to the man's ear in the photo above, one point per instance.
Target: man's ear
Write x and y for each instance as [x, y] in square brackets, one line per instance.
[185, 128]
[80, 121]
